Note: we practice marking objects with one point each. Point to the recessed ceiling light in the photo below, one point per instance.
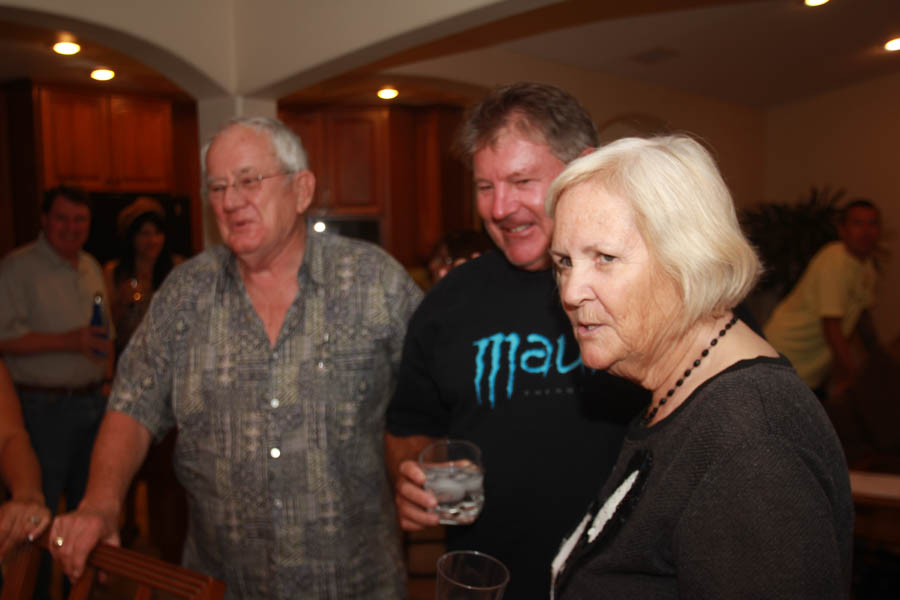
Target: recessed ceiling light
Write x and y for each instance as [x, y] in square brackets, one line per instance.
[893, 45]
[102, 74]
[388, 93]
[66, 48]
[815, 2]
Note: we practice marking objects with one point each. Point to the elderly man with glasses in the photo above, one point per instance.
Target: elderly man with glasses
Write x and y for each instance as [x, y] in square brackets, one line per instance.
[274, 357]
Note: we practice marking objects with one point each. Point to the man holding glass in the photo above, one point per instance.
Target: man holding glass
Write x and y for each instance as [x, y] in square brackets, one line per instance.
[274, 357]
[490, 356]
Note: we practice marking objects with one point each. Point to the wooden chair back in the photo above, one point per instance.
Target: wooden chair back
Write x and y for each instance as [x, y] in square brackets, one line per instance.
[145, 572]
[21, 571]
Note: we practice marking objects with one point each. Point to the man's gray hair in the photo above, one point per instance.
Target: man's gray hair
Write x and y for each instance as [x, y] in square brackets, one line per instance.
[286, 144]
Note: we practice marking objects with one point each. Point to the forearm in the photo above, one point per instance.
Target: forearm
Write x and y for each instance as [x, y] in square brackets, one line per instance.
[38, 342]
[25, 515]
[397, 449]
[20, 468]
[119, 450]
[839, 345]
[868, 333]
[110, 370]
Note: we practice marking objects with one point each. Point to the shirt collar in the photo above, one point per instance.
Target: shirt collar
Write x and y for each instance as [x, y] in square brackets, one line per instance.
[314, 258]
[313, 268]
[50, 253]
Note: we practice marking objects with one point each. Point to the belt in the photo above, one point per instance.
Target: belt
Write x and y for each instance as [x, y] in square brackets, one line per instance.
[82, 390]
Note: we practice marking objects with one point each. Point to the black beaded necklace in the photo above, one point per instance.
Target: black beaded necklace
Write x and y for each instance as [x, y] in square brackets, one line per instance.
[652, 410]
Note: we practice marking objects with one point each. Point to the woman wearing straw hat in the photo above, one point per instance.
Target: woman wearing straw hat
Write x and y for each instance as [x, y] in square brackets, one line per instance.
[145, 261]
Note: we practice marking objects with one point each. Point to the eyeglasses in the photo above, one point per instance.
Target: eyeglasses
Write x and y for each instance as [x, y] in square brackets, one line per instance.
[246, 184]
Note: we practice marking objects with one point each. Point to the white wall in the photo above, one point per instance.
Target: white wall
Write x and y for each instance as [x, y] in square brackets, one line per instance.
[284, 45]
[252, 48]
[848, 139]
[734, 133]
[191, 41]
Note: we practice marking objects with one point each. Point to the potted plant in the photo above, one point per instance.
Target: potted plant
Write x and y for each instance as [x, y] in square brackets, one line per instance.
[787, 235]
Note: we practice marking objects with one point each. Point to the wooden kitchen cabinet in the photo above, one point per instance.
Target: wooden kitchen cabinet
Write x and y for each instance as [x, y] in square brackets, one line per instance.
[390, 164]
[105, 142]
[347, 151]
[358, 151]
[113, 143]
[140, 142]
[311, 129]
[75, 139]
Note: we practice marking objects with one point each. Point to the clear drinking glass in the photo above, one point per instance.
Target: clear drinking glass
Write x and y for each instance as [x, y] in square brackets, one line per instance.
[455, 475]
[470, 575]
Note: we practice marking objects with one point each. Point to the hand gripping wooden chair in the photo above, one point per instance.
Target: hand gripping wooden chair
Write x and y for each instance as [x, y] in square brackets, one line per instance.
[145, 572]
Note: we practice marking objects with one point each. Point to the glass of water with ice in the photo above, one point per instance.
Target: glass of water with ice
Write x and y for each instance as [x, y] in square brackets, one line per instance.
[455, 475]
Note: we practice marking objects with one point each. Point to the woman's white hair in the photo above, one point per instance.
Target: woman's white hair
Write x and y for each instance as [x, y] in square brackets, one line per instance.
[683, 211]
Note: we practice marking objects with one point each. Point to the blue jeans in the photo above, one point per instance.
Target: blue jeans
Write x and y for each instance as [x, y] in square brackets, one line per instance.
[62, 430]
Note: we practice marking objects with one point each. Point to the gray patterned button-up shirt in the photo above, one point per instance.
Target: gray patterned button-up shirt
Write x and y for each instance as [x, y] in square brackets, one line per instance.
[280, 449]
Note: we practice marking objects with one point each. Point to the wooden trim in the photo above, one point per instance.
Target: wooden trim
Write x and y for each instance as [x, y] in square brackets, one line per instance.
[149, 573]
[875, 489]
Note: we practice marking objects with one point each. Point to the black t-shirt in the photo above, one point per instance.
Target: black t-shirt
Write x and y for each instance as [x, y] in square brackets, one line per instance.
[490, 357]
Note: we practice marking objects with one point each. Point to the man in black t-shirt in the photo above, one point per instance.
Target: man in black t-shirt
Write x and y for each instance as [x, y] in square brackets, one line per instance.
[490, 357]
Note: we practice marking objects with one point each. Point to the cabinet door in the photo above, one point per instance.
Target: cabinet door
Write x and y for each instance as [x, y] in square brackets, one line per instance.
[311, 129]
[357, 150]
[140, 143]
[75, 139]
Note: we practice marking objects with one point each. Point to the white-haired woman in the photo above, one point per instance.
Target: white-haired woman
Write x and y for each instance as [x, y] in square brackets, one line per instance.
[732, 483]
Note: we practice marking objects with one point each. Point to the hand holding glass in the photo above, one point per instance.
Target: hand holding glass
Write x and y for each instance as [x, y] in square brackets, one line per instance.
[455, 475]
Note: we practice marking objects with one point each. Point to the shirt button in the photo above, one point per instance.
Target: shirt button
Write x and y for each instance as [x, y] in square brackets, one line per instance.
[275, 355]
[278, 503]
[274, 402]
[321, 366]
[274, 452]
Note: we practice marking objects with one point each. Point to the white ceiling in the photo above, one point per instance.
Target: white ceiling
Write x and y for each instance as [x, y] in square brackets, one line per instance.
[25, 52]
[759, 53]
[755, 53]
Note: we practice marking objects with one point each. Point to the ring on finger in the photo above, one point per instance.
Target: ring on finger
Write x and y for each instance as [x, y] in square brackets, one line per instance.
[58, 542]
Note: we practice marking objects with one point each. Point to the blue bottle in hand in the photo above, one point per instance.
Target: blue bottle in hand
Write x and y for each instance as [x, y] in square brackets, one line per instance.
[98, 319]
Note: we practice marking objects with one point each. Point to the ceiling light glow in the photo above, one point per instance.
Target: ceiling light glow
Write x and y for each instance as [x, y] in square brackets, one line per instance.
[67, 48]
[815, 2]
[388, 93]
[893, 45]
[102, 74]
